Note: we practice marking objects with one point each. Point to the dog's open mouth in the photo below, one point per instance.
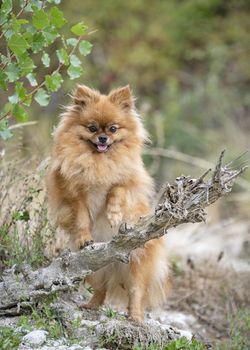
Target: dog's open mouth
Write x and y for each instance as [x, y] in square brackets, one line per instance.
[100, 147]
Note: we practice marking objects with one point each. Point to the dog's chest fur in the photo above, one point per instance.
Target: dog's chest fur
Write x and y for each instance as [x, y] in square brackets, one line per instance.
[96, 202]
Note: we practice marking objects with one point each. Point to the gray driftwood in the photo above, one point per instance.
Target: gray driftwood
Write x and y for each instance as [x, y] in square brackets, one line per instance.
[182, 202]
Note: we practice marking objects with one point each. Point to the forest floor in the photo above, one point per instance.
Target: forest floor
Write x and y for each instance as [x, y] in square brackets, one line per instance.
[211, 280]
[210, 298]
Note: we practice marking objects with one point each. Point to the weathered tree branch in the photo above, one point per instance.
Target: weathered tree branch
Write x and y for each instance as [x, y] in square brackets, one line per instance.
[182, 202]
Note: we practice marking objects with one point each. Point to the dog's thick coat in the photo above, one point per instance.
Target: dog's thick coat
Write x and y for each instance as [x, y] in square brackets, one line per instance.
[96, 181]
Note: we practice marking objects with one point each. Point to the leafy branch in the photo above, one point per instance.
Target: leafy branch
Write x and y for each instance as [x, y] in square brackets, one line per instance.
[29, 39]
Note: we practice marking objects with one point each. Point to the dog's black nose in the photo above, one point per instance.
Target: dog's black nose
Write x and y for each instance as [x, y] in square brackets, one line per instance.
[103, 138]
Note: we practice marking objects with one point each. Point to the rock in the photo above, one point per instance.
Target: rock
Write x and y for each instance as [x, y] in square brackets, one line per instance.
[89, 324]
[177, 319]
[120, 334]
[54, 345]
[35, 338]
[186, 334]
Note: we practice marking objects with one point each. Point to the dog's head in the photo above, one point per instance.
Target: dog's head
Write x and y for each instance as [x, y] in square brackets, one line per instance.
[104, 122]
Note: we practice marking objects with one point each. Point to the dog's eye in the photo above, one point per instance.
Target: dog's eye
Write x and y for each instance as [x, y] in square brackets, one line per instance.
[113, 129]
[92, 128]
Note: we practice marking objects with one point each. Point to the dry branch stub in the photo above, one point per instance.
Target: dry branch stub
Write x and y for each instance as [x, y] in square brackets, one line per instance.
[182, 202]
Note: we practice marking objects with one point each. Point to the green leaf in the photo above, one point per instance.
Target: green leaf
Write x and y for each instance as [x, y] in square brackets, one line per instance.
[71, 41]
[3, 78]
[28, 36]
[8, 34]
[31, 78]
[2, 18]
[12, 72]
[79, 29]
[74, 72]
[8, 107]
[20, 93]
[4, 59]
[54, 81]
[20, 113]
[40, 19]
[56, 17]
[27, 101]
[5, 132]
[54, 1]
[33, 5]
[13, 99]
[20, 90]
[41, 97]
[22, 215]
[31, 29]
[17, 23]
[63, 56]
[85, 47]
[74, 60]
[26, 64]
[22, 21]
[46, 59]
[39, 41]
[50, 34]
[14, 23]
[18, 44]
[6, 6]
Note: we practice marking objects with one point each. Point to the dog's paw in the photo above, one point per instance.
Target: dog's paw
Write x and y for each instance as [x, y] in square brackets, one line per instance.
[114, 215]
[86, 243]
[89, 306]
[82, 242]
[135, 318]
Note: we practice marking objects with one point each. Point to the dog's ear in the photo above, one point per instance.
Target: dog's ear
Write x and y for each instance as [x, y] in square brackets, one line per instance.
[122, 97]
[84, 95]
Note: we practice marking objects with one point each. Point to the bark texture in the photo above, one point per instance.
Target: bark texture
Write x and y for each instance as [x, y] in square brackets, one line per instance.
[178, 203]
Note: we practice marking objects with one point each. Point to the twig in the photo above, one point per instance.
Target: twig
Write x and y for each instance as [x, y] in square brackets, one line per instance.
[200, 179]
[195, 161]
[216, 174]
[241, 155]
[17, 126]
[169, 153]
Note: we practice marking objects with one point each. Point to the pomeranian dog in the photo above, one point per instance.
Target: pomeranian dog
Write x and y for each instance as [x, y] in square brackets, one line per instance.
[96, 181]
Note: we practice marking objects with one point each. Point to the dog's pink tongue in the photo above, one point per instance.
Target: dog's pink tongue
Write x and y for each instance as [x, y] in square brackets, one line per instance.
[102, 148]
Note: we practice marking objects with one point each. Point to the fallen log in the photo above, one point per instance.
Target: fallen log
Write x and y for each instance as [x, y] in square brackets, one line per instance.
[182, 202]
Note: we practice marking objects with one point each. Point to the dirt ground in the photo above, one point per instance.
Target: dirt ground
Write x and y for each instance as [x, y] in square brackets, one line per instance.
[211, 279]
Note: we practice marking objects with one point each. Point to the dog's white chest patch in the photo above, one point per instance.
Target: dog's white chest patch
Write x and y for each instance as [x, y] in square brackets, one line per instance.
[96, 202]
[101, 230]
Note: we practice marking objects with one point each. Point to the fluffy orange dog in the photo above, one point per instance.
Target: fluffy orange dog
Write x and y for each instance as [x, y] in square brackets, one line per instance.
[96, 181]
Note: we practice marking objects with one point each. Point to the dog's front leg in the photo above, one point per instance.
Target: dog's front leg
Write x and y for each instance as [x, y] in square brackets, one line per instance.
[81, 231]
[115, 203]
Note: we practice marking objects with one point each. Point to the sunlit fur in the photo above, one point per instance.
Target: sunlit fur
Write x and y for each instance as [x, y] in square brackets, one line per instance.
[90, 193]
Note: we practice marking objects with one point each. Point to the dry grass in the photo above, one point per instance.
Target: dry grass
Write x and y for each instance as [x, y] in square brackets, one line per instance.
[24, 227]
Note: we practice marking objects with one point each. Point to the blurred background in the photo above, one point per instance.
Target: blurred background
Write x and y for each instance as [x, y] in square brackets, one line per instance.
[188, 63]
